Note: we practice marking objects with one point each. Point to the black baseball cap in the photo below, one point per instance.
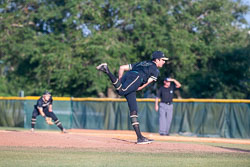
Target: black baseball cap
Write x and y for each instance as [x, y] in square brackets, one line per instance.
[166, 79]
[159, 55]
[46, 93]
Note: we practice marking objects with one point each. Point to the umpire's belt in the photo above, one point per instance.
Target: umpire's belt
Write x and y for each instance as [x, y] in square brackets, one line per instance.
[168, 103]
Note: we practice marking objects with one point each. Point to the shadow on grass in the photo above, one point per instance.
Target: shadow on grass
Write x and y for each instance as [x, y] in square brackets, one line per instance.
[235, 149]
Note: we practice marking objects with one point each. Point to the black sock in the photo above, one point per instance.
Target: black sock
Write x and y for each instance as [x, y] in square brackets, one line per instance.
[33, 122]
[137, 131]
[60, 127]
[115, 81]
[112, 77]
[59, 124]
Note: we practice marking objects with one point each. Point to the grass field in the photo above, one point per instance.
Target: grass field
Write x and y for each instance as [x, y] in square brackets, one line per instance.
[19, 156]
[23, 156]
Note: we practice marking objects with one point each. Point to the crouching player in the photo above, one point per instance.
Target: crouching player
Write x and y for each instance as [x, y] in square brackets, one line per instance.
[44, 108]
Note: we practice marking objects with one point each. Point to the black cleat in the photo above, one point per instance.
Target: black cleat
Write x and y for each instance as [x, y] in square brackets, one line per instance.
[103, 67]
[162, 134]
[144, 140]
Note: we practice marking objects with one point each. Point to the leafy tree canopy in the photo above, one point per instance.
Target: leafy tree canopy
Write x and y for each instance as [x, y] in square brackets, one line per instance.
[55, 45]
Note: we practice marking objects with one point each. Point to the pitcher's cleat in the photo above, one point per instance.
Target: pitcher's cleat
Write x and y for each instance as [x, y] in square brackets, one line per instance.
[32, 130]
[103, 67]
[144, 140]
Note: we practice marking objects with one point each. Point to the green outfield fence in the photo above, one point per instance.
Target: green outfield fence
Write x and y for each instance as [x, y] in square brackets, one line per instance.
[195, 117]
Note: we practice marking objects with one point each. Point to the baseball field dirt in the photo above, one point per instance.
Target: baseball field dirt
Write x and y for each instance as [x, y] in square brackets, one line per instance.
[114, 140]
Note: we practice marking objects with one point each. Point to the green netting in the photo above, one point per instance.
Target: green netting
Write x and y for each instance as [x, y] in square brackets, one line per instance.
[11, 113]
[229, 120]
[100, 115]
[62, 109]
[112, 115]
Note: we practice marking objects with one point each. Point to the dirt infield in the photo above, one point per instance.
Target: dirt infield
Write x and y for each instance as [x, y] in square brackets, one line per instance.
[122, 141]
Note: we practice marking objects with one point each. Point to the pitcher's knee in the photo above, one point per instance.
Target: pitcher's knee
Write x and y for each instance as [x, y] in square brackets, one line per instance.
[121, 92]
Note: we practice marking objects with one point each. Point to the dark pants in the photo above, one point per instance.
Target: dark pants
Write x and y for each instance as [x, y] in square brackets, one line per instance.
[46, 112]
[127, 87]
[131, 81]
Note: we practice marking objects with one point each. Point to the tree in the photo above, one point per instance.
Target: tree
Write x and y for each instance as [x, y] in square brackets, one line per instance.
[56, 45]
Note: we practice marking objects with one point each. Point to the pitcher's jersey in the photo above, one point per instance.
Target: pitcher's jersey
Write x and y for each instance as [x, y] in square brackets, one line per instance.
[146, 69]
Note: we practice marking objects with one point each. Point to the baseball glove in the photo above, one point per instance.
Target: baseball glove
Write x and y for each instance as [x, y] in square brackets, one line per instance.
[49, 120]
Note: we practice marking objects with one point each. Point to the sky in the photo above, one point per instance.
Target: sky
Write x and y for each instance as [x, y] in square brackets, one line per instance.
[248, 14]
